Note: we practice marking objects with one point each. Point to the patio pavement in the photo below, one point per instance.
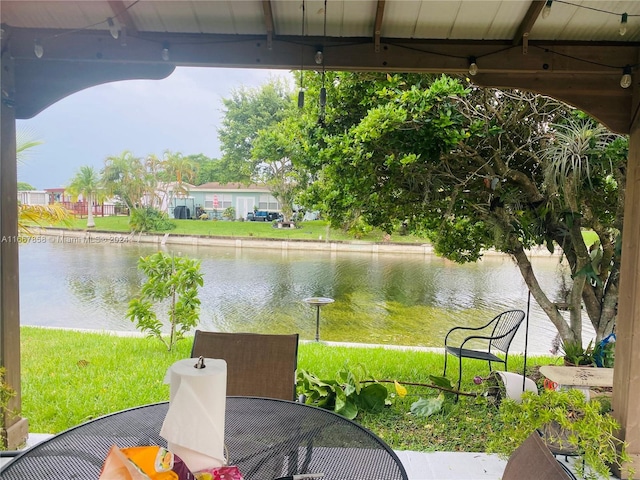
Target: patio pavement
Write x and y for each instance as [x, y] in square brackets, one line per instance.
[420, 465]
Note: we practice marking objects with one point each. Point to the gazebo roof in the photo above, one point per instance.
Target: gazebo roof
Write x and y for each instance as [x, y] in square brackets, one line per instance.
[575, 53]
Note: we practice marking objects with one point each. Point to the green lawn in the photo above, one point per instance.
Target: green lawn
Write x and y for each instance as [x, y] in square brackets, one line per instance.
[70, 377]
[311, 230]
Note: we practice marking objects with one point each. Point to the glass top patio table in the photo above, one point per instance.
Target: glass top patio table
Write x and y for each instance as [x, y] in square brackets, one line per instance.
[265, 438]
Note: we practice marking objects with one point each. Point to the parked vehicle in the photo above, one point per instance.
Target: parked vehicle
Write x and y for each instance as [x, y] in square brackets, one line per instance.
[262, 216]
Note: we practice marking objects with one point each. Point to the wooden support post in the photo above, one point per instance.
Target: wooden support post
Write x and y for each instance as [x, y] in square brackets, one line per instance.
[16, 427]
[626, 376]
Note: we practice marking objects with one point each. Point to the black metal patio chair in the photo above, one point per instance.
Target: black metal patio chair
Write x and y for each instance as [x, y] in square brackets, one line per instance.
[495, 335]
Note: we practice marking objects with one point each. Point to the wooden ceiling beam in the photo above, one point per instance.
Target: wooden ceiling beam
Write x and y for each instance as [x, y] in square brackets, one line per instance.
[399, 55]
[377, 26]
[121, 12]
[522, 33]
[602, 97]
[566, 71]
[268, 22]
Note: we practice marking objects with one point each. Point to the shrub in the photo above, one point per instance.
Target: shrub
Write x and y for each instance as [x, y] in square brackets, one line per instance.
[149, 219]
[567, 419]
[6, 392]
[173, 279]
[229, 213]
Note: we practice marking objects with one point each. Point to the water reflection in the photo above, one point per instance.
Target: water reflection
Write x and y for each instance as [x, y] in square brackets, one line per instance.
[380, 298]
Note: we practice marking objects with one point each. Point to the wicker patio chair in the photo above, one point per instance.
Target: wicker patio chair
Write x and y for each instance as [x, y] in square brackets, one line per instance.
[533, 461]
[495, 335]
[257, 365]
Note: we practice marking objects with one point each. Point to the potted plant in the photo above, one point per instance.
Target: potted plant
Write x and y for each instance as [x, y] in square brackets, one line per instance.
[567, 419]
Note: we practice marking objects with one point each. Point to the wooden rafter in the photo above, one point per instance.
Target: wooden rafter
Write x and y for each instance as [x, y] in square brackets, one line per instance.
[121, 12]
[268, 22]
[377, 29]
[522, 34]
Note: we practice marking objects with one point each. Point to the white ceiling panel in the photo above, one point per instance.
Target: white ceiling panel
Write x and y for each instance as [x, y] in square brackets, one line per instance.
[588, 21]
[506, 21]
[435, 19]
[287, 17]
[474, 19]
[400, 18]
[580, 20]
[356, 19]
[247, 17]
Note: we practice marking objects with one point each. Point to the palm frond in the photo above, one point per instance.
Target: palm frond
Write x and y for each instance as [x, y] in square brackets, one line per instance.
[39, 215]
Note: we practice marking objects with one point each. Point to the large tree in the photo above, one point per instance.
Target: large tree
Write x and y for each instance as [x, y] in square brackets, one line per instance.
[126, 177]
[171, 175]
[247, 112]
[148, 182]
[207, 169]
[479, 168]
[279, 149]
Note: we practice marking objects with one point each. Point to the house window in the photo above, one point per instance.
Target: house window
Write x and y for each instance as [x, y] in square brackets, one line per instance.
[268, 202]
[217, 201]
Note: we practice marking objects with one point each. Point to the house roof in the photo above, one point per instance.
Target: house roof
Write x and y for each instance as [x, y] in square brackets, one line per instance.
[210, 186]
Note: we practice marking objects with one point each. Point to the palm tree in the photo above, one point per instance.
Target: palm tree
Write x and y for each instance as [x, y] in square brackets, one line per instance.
[178, 171]
[35, 214]
[86, 183]
[124, 175]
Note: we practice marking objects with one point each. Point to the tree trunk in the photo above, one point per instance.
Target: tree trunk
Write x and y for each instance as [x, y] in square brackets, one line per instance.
[566, 332]
[90, 222]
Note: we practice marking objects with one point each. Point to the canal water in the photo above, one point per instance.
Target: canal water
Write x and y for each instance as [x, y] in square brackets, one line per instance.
[379, 298]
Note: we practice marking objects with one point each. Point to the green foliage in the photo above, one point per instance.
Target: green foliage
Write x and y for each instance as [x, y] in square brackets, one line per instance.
[425, 407]
[87, 183]
[474, 169]
[175, 279]
[6, 393]
[575, 354]
[229, 213]
[149, 219]
[350, 392]
[248, 111]
[313, 229]
[582, 424]
[70, 371]
[126, 177]
[23, 186]
[604, 354]
[358, 228]
[207, 169]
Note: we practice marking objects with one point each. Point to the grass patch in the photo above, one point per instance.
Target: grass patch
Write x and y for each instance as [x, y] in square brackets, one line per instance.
[70, 377]
[310, 230]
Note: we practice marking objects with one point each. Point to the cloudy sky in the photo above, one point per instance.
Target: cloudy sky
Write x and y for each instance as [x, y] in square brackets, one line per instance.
[181, 114]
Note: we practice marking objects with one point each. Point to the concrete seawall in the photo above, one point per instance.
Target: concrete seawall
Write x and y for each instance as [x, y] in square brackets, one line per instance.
[118, 238]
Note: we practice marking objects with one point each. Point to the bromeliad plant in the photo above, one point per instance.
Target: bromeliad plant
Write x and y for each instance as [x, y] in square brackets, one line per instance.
[574, 354]
[351, 391]
[172, 279]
